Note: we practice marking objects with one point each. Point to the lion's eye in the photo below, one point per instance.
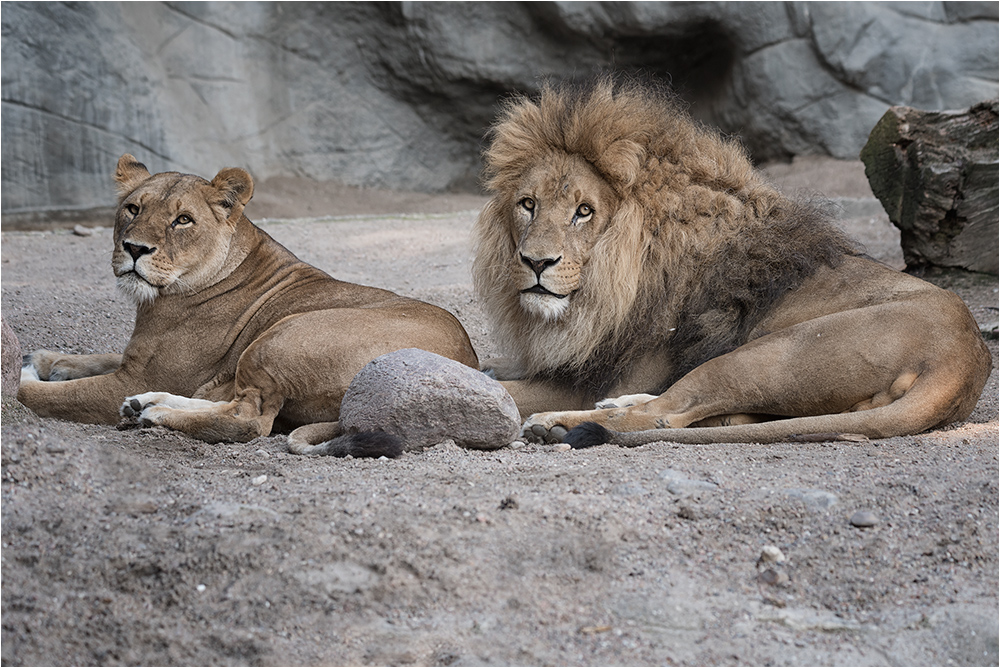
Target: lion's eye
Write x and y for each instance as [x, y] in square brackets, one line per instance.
[582, 211]
[183, 220]
[527, 204]
[132, 208]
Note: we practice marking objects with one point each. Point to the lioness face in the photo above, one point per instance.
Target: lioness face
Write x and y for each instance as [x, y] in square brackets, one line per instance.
[172, 231]
[559, 212]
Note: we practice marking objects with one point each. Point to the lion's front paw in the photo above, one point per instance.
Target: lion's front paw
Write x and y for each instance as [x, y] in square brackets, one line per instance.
[624, 401]
[543, 428]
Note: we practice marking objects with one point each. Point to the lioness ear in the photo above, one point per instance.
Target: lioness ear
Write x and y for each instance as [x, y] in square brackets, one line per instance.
[235, 188]
[129, 174]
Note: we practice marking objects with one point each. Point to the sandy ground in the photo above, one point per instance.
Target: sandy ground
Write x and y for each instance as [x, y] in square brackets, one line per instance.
[147, 547]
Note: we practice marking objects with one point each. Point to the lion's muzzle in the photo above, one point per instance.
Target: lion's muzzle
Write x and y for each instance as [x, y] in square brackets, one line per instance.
[540, 289]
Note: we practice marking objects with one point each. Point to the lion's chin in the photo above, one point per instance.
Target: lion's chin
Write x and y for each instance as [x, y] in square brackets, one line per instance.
[546, 307]
[136, 289]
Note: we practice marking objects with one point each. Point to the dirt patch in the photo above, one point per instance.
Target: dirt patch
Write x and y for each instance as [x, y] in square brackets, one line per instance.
[146, 547]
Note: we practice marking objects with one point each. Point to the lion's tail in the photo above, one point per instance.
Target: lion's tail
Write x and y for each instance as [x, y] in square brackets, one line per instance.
[371, 444]
[899, 418]
[589, 434]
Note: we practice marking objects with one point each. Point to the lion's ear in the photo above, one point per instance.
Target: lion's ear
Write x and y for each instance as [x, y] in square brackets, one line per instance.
[129, 174]
[235, 188]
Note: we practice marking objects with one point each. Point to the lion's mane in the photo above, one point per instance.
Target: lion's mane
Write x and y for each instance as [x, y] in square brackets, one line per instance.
[698, 250]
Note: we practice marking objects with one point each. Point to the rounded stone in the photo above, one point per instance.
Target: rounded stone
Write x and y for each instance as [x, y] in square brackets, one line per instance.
[864, 519]
[425, 399]
[11, 361]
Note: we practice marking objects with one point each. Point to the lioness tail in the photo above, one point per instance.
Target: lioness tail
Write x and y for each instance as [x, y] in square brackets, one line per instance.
[372, 444]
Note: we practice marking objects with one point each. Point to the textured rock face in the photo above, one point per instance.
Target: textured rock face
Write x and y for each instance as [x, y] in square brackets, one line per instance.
[937, 178]
[10, 361]
[425, 399]
[399, 94]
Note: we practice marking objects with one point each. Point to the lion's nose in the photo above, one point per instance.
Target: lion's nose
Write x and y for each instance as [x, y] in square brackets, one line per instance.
[137, 250]
[538, 266]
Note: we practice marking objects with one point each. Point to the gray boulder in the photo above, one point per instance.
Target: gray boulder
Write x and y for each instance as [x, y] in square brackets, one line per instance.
[399, 95]
[10, 361]
[425, 399]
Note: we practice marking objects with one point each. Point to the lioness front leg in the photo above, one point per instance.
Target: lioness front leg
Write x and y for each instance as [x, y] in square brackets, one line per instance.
[238, 420]
[51, 366]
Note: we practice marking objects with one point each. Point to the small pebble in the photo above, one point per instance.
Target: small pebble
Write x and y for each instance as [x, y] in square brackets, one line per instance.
[864, 519]
[259, 480]
[562, 447]
[200, 587]
[81, 231]
[771, 554]
[516, 445]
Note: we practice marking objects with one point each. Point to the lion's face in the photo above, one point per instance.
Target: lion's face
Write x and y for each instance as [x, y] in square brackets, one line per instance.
[558, 213]
[173, 231]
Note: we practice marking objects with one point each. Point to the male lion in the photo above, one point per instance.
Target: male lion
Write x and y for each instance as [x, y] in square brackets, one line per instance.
[227, 316]
[628, 251]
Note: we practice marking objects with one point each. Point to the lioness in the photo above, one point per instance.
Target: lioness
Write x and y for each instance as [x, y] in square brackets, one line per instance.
[628, 251]
[232, 331]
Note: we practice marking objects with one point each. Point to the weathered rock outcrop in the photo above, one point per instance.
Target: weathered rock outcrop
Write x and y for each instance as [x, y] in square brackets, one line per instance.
[10, 362]
[399, 94]
[936, 174]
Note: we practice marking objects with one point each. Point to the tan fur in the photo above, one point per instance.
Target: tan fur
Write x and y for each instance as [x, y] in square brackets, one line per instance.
[232, 331]
[693, 279]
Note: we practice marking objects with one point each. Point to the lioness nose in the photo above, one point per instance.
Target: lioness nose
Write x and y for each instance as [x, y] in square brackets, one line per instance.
[137, 250]
[538, 266]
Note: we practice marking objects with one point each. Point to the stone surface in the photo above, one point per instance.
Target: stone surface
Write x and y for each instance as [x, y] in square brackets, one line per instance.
[10, 361]
[679, 484]
[937, 177]
[425, 399]
[399, 95]
[864, 519]
[817, 499]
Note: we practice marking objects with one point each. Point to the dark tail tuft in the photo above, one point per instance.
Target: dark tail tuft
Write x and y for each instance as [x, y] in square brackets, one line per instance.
[371, 444]
[587, 435]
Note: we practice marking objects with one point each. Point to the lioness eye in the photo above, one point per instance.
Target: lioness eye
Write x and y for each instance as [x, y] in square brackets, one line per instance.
[528, 204]
[584, 210]
[182, 220]
[132, 208]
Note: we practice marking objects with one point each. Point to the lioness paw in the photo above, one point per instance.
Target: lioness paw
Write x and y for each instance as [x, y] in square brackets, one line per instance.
[37, 365]
[132, 410]
[29, 373]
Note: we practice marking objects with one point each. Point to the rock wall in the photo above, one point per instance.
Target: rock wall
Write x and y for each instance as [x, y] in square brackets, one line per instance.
[399, 95]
